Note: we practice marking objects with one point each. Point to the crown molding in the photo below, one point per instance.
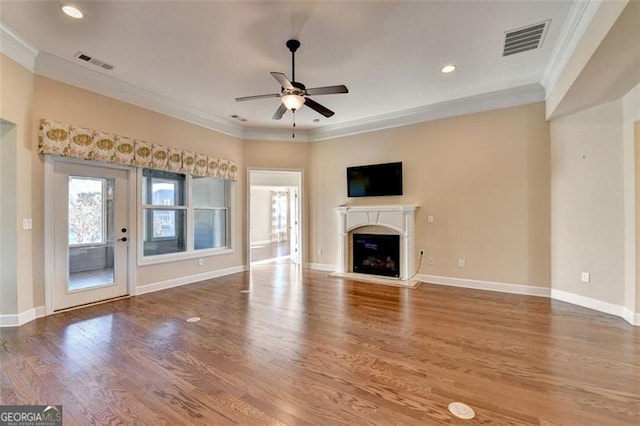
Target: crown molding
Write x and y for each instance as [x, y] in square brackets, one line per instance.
[272, 134]
[17, 48]
[73, 74]
[506, 98]
[77, 75]
[580, 16]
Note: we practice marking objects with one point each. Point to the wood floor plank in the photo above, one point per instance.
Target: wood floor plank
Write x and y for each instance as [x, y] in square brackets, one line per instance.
[304, 348]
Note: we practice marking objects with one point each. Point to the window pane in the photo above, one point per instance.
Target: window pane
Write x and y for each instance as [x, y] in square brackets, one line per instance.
[164, 231]
[164, 223]
[210, 228]
[86, 210]
[162, 188]
[208, 192]
[164, 193]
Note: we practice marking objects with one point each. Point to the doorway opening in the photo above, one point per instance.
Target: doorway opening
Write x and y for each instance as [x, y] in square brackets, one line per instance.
[275, 217]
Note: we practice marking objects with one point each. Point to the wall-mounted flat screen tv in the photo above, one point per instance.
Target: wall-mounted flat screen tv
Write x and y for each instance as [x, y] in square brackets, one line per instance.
[375, 180]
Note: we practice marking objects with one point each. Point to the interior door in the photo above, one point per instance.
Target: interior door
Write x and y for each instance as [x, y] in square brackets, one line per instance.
[90, 234]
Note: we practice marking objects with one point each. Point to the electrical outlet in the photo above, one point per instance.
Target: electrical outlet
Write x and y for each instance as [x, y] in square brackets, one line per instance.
[585, 277]
[27, 223]
[200, 262]
[429, 219]
[462, 263]
[431, 260]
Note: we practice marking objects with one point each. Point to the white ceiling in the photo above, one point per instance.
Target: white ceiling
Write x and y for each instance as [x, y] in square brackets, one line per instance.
[197, 57]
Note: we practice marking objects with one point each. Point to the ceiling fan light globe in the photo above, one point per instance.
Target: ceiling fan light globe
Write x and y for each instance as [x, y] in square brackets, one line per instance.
[293, 102]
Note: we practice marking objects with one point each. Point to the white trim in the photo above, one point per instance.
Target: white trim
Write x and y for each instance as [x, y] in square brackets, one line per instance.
[99, 82]
[273, 134]
[22, 318]
[17, 48]
[400, 218]
[49, 257]
[576, 24]
[299, 173]
[506, 98]
[630, 317]
[590, 303]
[320, 266]
[183, 255]
[528, 290]
[132, 247]
[177, 282]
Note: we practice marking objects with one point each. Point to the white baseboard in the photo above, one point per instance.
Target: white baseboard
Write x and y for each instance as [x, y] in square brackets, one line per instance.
[320, 266]
[631, 317]
[16, 320]
[529, 290]
[176, 282]
[596, 305]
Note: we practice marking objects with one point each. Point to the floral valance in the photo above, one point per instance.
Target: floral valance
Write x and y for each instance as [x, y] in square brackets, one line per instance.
[71, 141]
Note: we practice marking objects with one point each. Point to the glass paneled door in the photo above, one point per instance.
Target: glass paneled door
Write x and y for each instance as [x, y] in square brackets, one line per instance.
[91, 234]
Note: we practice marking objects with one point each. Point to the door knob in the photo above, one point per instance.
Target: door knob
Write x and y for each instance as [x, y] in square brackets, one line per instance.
[123, 239]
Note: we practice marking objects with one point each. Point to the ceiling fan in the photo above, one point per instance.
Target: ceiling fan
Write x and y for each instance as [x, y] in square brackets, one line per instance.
[294, 94]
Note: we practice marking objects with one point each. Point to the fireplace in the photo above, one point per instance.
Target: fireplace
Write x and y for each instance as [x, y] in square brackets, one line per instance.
[376, 254]
[392, 222]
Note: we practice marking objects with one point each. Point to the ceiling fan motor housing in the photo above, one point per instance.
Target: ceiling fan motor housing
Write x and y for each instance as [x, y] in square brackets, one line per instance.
[293, 45]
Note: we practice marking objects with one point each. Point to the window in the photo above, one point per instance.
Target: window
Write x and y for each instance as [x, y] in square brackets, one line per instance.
[210, 212]
[183, 214]
[87, 210]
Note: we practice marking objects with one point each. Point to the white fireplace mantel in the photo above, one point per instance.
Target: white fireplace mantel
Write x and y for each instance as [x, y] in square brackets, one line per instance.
[399, 218]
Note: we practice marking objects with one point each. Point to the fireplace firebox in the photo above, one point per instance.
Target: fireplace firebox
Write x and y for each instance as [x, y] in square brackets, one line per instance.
[376, 254]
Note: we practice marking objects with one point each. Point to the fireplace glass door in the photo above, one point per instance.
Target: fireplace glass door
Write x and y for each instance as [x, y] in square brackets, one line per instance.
[376, 254]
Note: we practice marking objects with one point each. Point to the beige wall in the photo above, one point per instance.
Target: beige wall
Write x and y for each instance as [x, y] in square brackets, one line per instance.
[16, 92]
[69, 104]
[484, 177]
[587, 215]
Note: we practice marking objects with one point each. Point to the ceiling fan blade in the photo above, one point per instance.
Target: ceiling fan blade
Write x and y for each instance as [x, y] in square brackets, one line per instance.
[250, 98]
[318, 108]
[279, 112]
[327, 90]
[283, 80]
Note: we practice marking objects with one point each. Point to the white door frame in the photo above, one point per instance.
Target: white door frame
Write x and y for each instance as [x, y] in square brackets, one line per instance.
[49, 255]
[300, 186]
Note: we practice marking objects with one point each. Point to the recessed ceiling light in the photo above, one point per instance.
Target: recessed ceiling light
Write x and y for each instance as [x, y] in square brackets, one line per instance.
[72, 11]
[448, 68]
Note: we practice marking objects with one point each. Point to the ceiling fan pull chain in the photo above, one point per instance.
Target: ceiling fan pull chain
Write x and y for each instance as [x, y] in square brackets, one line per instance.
[293, 131]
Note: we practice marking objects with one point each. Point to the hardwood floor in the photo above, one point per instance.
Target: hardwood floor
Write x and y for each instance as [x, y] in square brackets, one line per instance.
[302, 348]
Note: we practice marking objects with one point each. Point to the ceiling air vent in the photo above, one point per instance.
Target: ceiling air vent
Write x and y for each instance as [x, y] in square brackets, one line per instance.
[523, 39]
[93, 61]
